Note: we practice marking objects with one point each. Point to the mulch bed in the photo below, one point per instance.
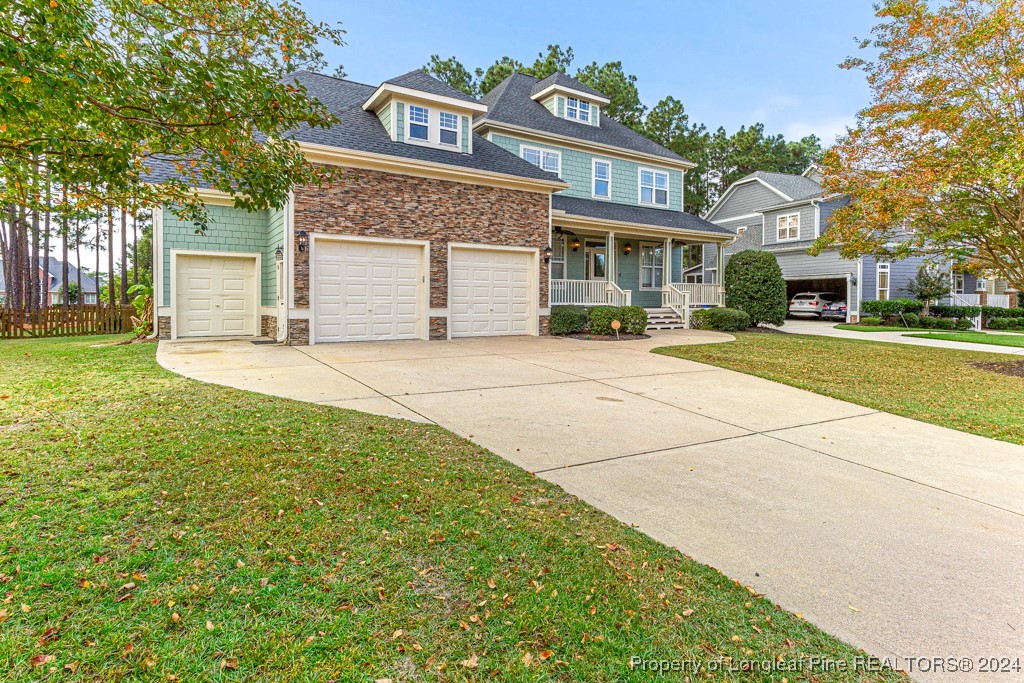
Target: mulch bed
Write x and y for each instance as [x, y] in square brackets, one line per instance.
[1013, 368]
[608, 337]
[764, 330]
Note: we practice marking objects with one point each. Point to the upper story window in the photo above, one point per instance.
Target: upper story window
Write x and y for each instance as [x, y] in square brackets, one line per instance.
[602, 179]
[653, 187]
[788, 227]
[547, 159]
[883, 282]
[577, 109]
[742, 230]
[419, 123]
[449, 129]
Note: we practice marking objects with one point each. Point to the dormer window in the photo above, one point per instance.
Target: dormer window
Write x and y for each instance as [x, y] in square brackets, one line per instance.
[449, 129]
[577, 109]
[419, 123]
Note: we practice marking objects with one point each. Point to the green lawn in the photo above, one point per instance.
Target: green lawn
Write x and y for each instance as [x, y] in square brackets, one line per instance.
[929, 384]
[975, 338]
[156, 528]
[878, 328]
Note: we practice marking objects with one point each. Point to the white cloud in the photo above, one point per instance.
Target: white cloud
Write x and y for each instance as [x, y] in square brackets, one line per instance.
[826, 128]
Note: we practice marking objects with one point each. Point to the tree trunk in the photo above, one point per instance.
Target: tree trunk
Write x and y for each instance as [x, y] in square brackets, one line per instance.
[99, 233]
[111, 299]
[46, 235]
[124, 256]
[35, 281]
[135, 249]
[64, 250]
[78, 258]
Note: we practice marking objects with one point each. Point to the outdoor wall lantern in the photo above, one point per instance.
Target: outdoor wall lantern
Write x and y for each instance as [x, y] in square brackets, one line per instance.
[303, 240]
[575, 244]
[627, 248]
[279, 254]
[548, 251]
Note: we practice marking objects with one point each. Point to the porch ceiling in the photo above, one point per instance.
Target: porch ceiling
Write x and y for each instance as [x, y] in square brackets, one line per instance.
[578, 213]
[590, 225]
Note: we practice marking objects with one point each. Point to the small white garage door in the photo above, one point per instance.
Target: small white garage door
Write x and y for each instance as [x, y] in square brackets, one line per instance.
[366, 291]
[490, 292]
[215, 296]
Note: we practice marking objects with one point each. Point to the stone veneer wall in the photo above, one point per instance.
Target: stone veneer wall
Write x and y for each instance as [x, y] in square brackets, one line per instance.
[378, 204]
[163, 327]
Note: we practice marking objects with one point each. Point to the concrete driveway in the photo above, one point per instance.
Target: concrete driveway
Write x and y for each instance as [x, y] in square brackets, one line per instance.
[900, 537]
[825, 328]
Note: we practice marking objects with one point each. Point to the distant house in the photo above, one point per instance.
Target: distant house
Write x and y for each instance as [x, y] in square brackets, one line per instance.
[52, 283]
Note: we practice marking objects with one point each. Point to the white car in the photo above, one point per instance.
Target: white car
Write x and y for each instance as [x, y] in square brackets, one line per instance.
[810, 304]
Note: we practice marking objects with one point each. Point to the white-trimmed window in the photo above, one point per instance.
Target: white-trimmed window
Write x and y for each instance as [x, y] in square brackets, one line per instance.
[449, 129]
[602, 179]
[652, 265]
[742, 230]
[788, 227]
[547, 159]
[90, 299]
[883, 282]
[958, 283]
[419, 123]
[697, 278]
[577, 109]
[653, 187]
[558, 258]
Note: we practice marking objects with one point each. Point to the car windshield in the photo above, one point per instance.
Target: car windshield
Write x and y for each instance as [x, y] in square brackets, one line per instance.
[803, 297]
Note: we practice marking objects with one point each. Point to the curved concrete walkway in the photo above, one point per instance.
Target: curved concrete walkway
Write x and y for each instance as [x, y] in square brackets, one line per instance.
[821, 328]
[903, 538]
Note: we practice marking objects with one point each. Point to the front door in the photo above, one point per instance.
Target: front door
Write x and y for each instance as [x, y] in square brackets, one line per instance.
[596, 261]
[282, 306]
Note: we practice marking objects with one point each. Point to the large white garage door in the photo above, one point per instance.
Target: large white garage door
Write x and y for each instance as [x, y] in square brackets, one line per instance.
[367, 291]
[490, 292]
[215, 296]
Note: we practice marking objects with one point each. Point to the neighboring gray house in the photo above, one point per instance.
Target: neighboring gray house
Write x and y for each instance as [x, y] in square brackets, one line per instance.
[784, 214]
[50, 280]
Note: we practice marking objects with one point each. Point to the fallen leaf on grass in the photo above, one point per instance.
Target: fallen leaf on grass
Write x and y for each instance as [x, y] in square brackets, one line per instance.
[40, 660]
[49, 634]
[229, 663]
[545, 655]
[471, 663]
[687, 612]
[209, 625]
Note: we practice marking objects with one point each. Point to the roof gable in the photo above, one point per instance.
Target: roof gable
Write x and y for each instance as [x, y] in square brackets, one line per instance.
[558, 81]
[424, 82]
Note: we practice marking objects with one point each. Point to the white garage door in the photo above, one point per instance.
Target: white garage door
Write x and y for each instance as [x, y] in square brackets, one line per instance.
[490, 292]
[367, 291]
[215, 296]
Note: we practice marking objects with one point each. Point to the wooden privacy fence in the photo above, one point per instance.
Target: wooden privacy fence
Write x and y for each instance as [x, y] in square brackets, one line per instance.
[58, 321]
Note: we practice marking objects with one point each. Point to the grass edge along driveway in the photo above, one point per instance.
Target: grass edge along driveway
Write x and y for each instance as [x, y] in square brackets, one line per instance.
[933, 385]
[163, 529]
[974, 338]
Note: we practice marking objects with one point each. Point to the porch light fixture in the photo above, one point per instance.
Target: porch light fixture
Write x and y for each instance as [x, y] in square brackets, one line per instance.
[627, 248]
[575, 243]
[548, 252]
[303, 240]
[279, 254]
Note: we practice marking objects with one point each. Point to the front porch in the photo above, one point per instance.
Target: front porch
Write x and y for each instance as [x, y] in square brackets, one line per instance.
[592, 268]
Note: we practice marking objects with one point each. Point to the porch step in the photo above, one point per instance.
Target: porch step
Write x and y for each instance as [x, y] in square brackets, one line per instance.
[663, 319]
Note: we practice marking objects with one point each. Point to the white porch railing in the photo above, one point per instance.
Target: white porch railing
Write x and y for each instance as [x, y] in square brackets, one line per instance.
[701, 294]
[998, 300]
[678, 300]
[968, 300]
[589, 293]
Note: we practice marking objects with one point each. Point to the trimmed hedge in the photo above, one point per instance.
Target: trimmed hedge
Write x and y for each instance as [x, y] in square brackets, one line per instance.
[891, 307]
[568, 319]
[633, 319]
[947, 311]
[601, 318]
[871, 321]
[722, 319]
[754, 284]
[995, 312]
[1005, 323]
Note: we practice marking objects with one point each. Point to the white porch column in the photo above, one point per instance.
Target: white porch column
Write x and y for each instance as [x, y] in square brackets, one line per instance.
[610, 258]
[720, 274]
[666, 271]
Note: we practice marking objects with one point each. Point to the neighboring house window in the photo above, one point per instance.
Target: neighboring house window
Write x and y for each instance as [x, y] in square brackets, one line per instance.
[652, 265]
[558, 258]
[693, 256]
[419, 123]
[90, 299]
[544, 158]
[577, 109]
[449, 129]
[883, 282]
[788, 227]
[602, 179]
[653, 187]
[741, 231]
[958, 283]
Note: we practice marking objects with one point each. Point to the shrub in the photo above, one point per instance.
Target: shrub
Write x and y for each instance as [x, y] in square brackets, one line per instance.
[891, 307]
[911, 319]
[995, 312]
[945, 323]
[1005, 323]
[927, 322]
[947, 311]
[963, 324]
[601, 318]
[723, 319]
[568, 319]
[633, 319]
[871, 321]
[754, 284]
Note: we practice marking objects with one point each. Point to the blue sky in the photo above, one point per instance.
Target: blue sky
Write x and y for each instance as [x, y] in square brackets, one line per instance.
[731, 62]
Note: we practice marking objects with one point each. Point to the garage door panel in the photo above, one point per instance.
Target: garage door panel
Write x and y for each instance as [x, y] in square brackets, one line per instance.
[490, 292]
[367, 291]
[215, 295]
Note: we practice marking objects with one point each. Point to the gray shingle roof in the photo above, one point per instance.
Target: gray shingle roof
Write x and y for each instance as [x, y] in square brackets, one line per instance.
[421, 80]
[362, 131]
[53, 267]
[509, 102]
[559, 78]
[794, 186]
[640, 215]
